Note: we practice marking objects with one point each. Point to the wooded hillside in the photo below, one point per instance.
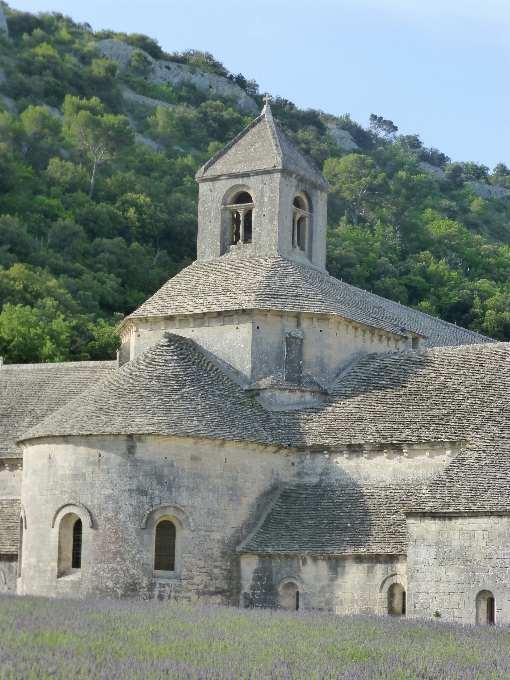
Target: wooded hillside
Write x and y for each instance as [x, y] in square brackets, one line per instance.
[94, 220]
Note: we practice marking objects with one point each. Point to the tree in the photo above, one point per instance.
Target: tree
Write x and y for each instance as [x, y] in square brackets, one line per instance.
[355, 183]
[139, 63]
[30, 334]
[102, 136]
[40, 134]
[381, 126]
[501, 175]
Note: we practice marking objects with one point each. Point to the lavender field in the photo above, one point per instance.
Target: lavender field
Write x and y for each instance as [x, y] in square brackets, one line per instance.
[112, 640]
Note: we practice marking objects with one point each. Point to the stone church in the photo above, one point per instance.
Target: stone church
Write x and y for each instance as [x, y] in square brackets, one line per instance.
[269, 435]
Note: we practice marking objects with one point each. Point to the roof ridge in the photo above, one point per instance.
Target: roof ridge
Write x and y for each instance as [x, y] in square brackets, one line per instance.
[273, 133]
[201, 172]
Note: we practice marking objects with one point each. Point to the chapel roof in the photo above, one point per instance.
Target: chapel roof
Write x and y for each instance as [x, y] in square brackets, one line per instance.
[322, 519]
[438, 394]
[30, 392]
[9, 525]
[443, 394]
[262, 147]
[280, 284]
[171, 389]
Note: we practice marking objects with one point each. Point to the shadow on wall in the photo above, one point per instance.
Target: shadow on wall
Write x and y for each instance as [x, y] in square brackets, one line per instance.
[308, 519]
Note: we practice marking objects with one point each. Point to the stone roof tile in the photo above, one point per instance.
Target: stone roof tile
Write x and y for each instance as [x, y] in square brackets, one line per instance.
[334, 520]
[262, 146]
[280, 284]
[30, 392]
[9, 525]
[171, 389]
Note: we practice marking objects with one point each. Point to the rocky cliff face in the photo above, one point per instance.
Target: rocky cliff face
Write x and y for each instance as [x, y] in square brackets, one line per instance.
[174, 74]
[343, 138]
[482, 189]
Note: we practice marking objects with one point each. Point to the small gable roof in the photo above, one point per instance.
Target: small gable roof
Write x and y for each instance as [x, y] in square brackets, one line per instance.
[334, 519]
[262, 147]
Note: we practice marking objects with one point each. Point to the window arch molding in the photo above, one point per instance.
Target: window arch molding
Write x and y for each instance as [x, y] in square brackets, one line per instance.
[230, 195]
[183, 526]
[78, 509]
[391, 579]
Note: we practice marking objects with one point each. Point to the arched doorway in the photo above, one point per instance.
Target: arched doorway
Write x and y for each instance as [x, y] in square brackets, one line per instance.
[485, 608]
[289, 596]
[396, 600]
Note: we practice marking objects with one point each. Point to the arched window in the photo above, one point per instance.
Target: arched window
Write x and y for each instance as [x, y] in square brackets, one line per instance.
[289, 596]
[396, 600]
[301, 216]
[164, 546]
[77, 543]
[70, 544]
[241, 219]
[485, 608]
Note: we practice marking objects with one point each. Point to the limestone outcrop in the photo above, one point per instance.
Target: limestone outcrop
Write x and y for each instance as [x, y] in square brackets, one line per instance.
[484, 190]
[343, 138]
[175, 74]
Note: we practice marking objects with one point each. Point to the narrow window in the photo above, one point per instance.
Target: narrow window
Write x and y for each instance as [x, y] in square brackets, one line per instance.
[490, 610]
[297, 600]
[77, 543]
[164, 549]
[485, 608]
[293, 356]
[70, 545]
[396, 600]
[20, 550]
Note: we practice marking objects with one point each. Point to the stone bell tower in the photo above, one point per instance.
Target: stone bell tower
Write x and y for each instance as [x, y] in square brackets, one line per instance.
[261, 195]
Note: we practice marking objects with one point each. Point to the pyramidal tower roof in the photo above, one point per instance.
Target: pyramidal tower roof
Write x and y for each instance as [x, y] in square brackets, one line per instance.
[262, 147]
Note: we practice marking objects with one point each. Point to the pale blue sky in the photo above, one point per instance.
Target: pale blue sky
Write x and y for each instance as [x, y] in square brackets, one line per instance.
[439, 68]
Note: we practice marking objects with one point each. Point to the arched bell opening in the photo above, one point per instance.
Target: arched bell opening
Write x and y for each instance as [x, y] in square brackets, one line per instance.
[240, 218]
[301, 223]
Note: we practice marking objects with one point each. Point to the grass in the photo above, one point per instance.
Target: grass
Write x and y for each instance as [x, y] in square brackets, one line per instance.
[127, 640]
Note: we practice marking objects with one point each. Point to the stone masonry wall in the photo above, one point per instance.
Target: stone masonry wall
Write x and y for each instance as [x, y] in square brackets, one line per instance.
[452, 559]
[218, 488]
[8, 574]
[253, 343]
[343, 585]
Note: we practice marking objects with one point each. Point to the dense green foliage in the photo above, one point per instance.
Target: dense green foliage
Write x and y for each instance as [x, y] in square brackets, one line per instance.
[92, 222]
